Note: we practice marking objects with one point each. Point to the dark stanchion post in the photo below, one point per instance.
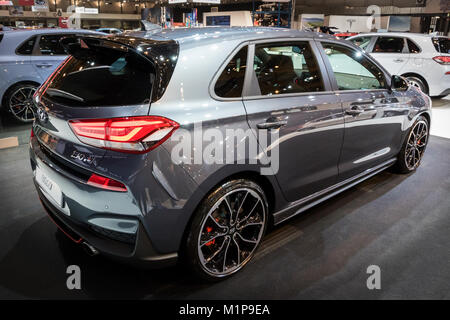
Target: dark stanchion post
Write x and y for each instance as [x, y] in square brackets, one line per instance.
[253, 13]
[290, 14]
[279, 16]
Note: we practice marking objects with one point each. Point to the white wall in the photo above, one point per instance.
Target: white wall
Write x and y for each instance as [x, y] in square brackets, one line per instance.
[238, 18]
[304, 18]
[359, 23]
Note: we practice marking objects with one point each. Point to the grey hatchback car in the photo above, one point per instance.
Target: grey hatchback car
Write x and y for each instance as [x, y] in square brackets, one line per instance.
[121, 145]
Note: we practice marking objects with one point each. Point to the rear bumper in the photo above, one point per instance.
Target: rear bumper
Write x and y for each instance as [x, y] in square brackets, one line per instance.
[140, 253]
[445, 92]
[100, 218]
[439, 81]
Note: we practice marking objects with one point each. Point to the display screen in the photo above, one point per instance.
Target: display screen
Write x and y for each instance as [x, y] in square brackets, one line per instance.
[218, 20]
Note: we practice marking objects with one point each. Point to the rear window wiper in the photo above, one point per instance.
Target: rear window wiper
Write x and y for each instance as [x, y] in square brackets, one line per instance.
[63, 94]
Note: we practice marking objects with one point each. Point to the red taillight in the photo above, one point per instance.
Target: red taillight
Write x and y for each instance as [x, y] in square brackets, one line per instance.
[31, 133]
[106, 183]
[129, 134]
[442, 59]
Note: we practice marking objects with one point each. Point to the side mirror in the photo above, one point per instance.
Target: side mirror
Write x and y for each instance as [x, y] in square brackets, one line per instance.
[399, 83]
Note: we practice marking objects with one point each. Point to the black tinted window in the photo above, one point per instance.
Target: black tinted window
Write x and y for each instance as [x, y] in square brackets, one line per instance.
[101, 76]
[231, 81]
[49, 45]
[412, 47]
[352, 70]
[389, 44]
[286, 68]
[442, 45]
[27, 46]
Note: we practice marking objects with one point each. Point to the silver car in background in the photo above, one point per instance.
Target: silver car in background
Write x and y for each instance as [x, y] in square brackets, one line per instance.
[27, 59]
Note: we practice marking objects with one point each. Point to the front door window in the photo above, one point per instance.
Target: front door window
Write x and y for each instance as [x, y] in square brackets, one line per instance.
[352, 70]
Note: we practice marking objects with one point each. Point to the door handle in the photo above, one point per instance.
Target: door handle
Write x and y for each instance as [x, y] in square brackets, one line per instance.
[272, 124]
[354, 110]
[44, 65]
[398, 60]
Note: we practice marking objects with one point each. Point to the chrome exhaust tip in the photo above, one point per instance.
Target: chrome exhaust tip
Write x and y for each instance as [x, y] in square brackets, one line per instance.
[90, 250]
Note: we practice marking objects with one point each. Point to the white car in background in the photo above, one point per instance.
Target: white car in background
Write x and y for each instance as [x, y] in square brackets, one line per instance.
[423, 59]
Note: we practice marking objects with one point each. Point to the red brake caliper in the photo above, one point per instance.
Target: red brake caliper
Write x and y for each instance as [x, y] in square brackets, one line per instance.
[209, 229]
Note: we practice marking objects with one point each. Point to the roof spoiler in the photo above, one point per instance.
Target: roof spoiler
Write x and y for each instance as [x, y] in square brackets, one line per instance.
[162, 53]
[79, 45]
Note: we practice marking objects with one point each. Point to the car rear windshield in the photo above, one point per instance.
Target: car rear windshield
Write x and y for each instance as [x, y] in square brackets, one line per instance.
[102, 76]
[442, 45]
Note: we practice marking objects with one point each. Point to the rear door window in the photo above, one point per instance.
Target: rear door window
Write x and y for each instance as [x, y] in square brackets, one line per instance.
[389, 45]
[231, 80]
[412, 47]
[286, 68]
[27, 47]
[102, 76]
[50, 45]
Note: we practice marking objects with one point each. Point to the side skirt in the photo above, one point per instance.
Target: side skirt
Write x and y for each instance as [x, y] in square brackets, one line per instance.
[303, 204]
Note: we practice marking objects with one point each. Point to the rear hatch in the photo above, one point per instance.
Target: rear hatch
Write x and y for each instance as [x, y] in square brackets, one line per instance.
[103, 78]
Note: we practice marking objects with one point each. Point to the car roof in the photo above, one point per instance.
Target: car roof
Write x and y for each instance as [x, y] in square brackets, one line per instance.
[204, 35]
[30, 32]
[396, 34]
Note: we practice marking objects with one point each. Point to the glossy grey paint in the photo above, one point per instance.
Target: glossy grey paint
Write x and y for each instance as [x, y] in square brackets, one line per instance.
[321, 148]
[315, 124]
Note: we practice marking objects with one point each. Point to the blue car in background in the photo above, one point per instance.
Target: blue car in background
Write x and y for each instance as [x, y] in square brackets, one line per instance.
[27, 58]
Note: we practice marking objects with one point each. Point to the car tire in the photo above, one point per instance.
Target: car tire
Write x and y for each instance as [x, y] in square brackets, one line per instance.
[226, 230]
[18, 101]
[418, 83]
[413, 149]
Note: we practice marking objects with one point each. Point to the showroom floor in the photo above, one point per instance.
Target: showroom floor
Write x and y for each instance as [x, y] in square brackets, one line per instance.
[399, 223]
